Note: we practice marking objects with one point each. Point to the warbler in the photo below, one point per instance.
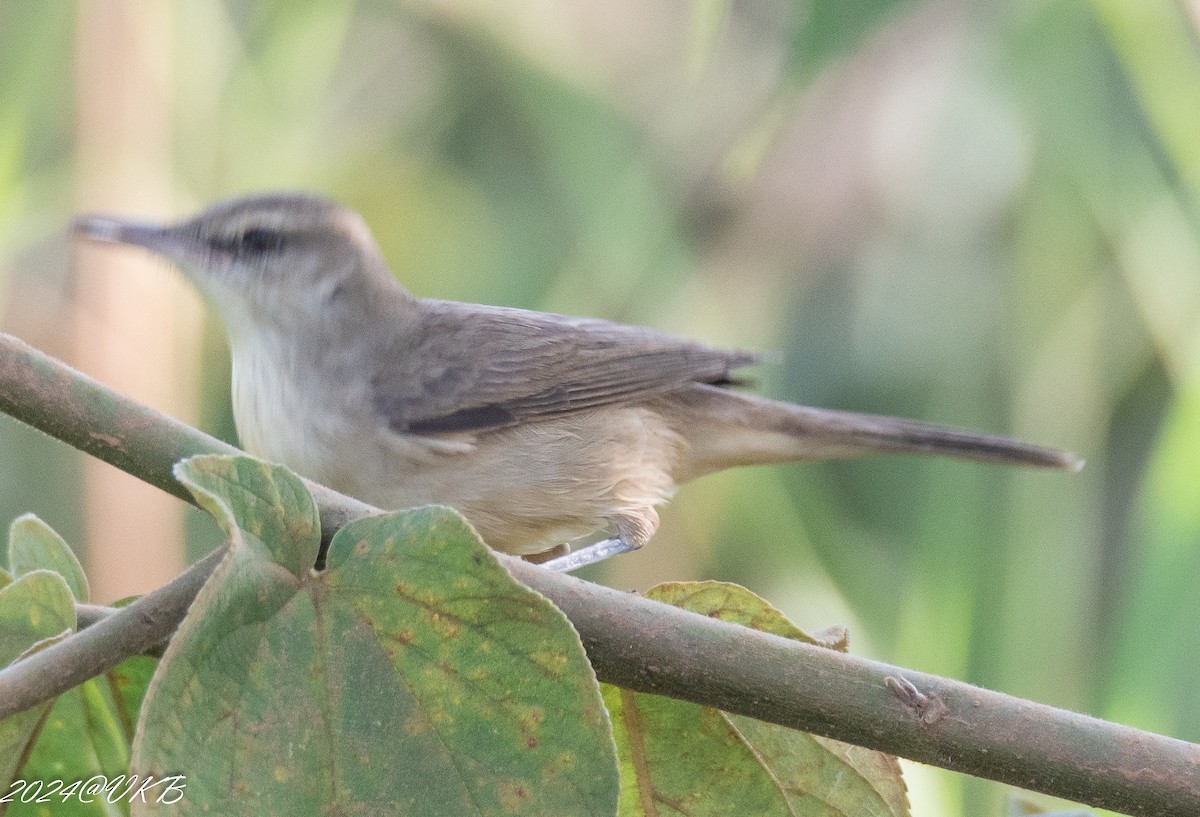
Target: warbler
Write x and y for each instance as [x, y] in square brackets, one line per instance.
[539, 428]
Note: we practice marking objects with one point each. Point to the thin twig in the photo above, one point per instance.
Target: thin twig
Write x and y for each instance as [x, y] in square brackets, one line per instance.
[639, 644]
[127, 631]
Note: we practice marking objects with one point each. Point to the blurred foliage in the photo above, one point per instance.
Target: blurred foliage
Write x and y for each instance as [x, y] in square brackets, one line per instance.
[982, 214]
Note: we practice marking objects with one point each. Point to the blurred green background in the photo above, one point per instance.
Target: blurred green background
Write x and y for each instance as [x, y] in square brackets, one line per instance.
[974, 213]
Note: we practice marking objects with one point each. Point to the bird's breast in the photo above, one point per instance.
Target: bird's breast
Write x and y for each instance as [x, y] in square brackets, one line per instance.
[282, 411]
[316, 416]
[265, 407]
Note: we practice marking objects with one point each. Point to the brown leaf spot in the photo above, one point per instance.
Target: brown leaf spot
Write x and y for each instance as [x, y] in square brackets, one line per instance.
[513, 796]
[531, 720]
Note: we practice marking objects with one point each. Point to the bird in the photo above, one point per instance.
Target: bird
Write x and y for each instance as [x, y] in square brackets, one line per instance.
[540, 429]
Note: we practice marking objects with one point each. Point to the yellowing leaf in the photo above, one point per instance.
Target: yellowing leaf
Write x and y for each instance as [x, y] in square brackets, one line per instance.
[411, 676]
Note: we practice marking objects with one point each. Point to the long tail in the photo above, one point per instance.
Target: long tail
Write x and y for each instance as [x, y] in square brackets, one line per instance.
[726, 429]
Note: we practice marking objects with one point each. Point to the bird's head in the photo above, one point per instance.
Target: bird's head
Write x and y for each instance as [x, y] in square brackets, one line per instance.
[268, 259]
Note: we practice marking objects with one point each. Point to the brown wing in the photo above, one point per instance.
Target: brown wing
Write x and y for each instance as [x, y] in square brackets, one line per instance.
[471, 368]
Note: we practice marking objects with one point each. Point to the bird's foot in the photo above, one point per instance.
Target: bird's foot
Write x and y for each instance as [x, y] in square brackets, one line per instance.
[589, 555]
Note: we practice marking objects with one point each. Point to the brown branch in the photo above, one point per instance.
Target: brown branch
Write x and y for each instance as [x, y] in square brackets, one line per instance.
[640, 644]
[635, 643]
[109, 640]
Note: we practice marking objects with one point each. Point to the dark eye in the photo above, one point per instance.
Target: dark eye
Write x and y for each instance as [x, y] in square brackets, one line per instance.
[257, 241]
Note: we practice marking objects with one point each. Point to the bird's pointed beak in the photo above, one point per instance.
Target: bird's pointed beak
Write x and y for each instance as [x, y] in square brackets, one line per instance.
[115, 231]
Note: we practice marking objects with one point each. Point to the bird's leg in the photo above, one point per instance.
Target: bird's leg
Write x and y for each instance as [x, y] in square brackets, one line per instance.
[547, 555]
[631, 530]
[590, 554]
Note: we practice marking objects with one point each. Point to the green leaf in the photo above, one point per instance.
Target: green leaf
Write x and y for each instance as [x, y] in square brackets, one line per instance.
[678, 758]
[258, 504]
[87, 730]
[737, 605]
[412, 676]
[34, 545]
[35, 609]
[682, 760]
[80, 738]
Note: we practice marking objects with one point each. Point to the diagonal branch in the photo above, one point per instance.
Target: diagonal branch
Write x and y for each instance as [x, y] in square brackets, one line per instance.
[633, 642]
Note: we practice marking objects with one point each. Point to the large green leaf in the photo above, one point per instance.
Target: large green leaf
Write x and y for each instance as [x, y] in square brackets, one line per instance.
[678, 758]
[35, 609]
[411, 676]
